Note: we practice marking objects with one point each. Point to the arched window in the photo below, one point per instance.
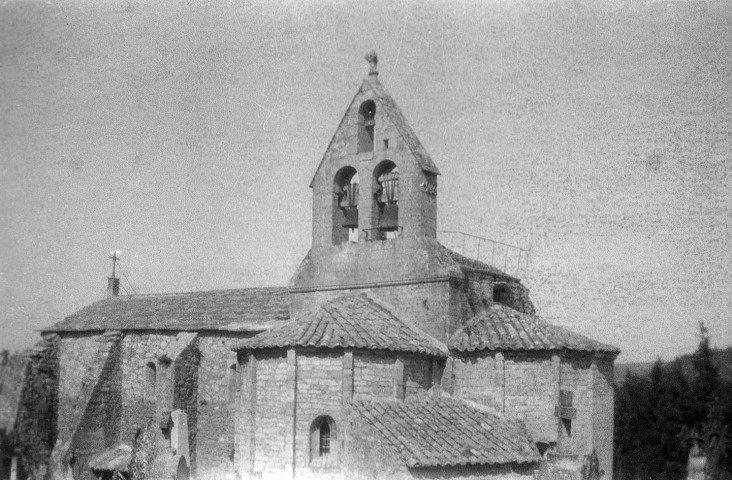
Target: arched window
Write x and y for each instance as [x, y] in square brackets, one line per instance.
[386, 197]
[150, 380]
[345, 206]
[366, 121]
[322, 438]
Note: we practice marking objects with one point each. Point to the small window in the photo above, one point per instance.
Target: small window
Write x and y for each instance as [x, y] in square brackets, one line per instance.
[366, 122]
[502, 294]
[322, 439]
[150, 380]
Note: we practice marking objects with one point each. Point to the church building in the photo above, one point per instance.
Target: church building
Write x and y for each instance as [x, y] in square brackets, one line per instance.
[387, 356]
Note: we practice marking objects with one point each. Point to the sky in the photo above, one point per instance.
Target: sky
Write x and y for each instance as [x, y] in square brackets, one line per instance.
[595, 134]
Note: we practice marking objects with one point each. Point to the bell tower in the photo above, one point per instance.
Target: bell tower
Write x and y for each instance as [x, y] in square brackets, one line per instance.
[376, 182]
[375, 218]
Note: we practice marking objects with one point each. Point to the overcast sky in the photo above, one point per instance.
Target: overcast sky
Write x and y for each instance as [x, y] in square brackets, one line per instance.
[596, 134]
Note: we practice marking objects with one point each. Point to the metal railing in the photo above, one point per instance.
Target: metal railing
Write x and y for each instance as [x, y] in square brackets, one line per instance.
[509, 258]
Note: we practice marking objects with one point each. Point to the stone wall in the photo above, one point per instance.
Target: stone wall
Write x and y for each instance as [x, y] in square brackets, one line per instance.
[35, 426]
[480, 377]
[77, 370]
[260, 419]
[576, 376]
[185, 393]
[373, 376]
[89, 380]
[284, 392]
[531, 392]
[100, 425]
[318, 393]
[417, 207]
[526, 386]
[603, 420]
[417, 372]
[218, 390]
[141, 402]
[12, 378]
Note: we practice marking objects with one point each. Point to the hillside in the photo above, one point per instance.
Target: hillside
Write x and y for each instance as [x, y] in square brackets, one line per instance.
[722, 360]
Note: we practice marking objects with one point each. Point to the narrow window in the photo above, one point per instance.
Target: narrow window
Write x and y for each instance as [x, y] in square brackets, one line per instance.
[322, 440]
[366, 122]
[150, 380]
[233, 382]
[324, 444]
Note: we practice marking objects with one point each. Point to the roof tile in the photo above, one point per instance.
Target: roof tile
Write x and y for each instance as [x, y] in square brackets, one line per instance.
[447, 432]
[502, 328]
[351, 321]
[249, 309]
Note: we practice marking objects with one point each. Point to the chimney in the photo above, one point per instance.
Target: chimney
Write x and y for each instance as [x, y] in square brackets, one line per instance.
[112, 287]
[113, 281]
[373, 60]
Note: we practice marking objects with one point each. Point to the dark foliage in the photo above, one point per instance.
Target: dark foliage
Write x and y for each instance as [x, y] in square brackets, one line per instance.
[652, 411]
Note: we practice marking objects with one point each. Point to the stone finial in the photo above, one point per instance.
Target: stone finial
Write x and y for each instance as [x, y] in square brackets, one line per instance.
[373, 60]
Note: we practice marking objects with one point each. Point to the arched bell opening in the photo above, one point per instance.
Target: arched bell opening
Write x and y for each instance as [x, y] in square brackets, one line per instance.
[386, 200]
[345, 206]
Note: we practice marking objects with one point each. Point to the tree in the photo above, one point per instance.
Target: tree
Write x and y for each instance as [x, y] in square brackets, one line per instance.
[706, 381]
[653, 411]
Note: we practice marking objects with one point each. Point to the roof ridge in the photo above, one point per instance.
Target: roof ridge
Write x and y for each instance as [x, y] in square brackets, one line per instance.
[335, 132]
[192, 292]
[402, 125]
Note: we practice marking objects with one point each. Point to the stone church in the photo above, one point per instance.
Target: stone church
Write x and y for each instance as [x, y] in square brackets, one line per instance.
[387, 356]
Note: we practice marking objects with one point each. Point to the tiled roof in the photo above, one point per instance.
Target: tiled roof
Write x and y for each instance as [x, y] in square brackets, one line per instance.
[112, 459]
[354, 321]
[502, 328]
[400, 122]
[249, 309]
[447, 432]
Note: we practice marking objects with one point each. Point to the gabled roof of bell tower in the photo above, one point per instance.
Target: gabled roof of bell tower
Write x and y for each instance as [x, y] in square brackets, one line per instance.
[385, 101]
